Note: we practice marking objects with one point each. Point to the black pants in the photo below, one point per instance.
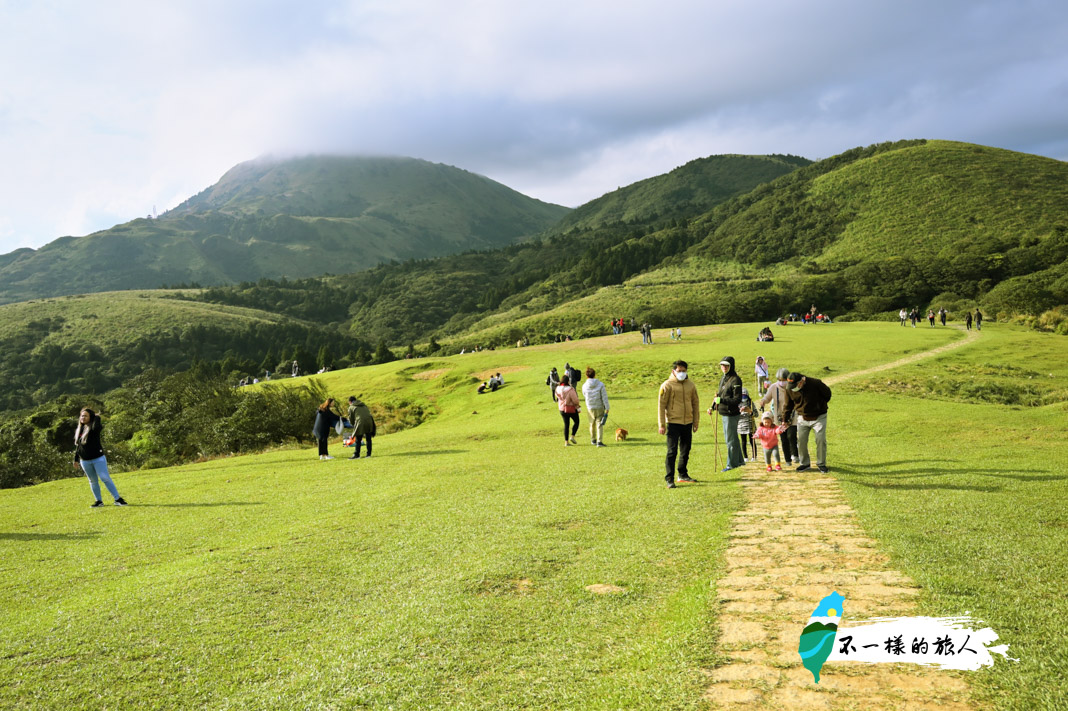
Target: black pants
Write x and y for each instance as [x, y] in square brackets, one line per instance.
[788, 439]
[748, 444]
[574, 427]
[322, 446]
[359, 443]
[679, 438]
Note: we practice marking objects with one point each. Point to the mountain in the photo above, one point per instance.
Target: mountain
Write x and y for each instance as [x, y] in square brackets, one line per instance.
[907, 224]
[409, 301]
[92, 343]
[287, 218]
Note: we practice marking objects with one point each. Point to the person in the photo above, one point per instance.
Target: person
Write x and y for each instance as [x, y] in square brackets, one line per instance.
[678, 334]
[914, 315]
[930, 317]
[553, 381]
[968, 320]
[978, 320]
[573, 375]
[942, 314]
[567, 402]
[596, 396]
[746, 426]
[325, 420]
[776, 396]
[769, 440]
[363, 425]
[482, 387]
[809, 398]
[761, 375]
[89, 455]
[728, 404]
[903, 315]
[295, 369]
[678, 414]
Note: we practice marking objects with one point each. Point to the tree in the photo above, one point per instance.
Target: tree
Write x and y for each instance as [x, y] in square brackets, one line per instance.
[383, 354]
[326, 358]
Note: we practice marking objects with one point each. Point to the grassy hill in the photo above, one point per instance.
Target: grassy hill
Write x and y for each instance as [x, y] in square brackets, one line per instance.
[406, 302]
[451, 568]
[294, 218]
[92, 343]
[914, 223]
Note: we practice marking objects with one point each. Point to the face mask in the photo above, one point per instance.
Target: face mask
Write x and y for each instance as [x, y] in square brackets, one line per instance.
[680, 376]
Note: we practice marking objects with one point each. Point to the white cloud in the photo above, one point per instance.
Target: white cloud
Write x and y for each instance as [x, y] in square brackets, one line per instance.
[116, 106]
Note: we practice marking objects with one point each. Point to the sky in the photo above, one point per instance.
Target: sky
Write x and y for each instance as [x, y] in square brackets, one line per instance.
[111, 109]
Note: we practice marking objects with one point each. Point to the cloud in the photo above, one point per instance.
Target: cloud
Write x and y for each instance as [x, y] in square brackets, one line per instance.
[118, 106]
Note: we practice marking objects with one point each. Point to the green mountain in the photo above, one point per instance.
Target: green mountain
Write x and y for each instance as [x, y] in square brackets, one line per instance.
[287, 218]
[860, 235]
[92, 343]
[409, 301]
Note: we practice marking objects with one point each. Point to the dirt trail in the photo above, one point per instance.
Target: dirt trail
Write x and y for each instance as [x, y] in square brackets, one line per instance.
[797, 540]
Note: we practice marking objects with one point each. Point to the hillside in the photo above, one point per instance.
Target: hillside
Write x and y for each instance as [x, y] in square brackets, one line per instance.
[469, 565]
[409, 301]
[287, 218]
[864, 233]
[92, 343]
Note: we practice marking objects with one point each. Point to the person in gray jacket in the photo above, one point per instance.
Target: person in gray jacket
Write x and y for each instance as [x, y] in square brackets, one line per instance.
[363, 425]
[596, 396]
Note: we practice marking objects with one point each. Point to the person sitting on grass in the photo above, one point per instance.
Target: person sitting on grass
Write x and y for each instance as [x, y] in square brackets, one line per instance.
[482, 388]
[768, 435]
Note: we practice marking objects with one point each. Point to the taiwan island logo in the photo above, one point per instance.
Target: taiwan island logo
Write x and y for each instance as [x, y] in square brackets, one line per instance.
[945, 642]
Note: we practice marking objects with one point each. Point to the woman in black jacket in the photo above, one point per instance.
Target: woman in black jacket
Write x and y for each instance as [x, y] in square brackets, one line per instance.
[325, 420]
[90, 455]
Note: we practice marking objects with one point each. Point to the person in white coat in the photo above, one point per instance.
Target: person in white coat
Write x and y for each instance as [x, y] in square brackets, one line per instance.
[596, 396]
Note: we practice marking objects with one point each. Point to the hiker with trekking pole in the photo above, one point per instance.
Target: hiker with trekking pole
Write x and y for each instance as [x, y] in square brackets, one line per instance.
[678, 415]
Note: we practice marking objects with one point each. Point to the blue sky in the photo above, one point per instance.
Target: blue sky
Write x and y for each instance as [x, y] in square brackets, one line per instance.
[110, 108]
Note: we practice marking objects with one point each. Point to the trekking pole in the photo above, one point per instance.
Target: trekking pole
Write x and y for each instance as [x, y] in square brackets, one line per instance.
[715, 434]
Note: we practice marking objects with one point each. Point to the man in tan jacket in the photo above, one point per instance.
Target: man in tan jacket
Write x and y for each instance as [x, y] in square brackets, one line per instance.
[678, 413]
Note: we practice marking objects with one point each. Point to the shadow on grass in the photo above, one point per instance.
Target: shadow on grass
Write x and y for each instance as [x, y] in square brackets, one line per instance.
[930, 487]
[47, 536]
[197, 505]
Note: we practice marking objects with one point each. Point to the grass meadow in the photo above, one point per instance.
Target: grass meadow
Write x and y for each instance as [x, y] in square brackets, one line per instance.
[450, 569]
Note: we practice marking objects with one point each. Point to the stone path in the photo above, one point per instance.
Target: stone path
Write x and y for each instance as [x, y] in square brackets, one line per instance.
[796, 541]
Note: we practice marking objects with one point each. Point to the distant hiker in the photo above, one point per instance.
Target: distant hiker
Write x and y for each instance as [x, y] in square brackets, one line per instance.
[761, 369]
[568, 403]
[914, 316]
[809, 397]
[930, 316]
[363, 425]
[769, 440]
[495, 382]
[649, 332]
[746, 427]
[678, 414]
[678, 334]
[968, 320]
[553, 381]
[573, 376]
[777, 397]
[89, 454]
[482, 388]
[325, 420]
[296, 369]
[596, 396]
[728, 404]
[903, 315]
[978, 320]
[942, 314]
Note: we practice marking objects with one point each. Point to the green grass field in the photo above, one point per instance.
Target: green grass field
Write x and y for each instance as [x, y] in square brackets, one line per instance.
[450, 569]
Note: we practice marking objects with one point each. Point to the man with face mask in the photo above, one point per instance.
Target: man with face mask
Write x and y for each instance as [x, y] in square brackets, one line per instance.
[678, 413]
[809, 398]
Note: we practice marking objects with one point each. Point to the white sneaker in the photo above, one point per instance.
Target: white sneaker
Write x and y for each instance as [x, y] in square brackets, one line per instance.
[566, 443]
[327, 457]
[320, 457]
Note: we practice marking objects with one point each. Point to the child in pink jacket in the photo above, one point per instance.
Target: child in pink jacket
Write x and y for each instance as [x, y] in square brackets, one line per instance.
[769, 437]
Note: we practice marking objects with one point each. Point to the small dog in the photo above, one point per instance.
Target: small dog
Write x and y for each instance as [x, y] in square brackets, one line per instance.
[621, 435]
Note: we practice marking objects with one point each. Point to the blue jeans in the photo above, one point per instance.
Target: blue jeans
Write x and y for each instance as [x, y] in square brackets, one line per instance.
[730, 438]
[97, 470]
